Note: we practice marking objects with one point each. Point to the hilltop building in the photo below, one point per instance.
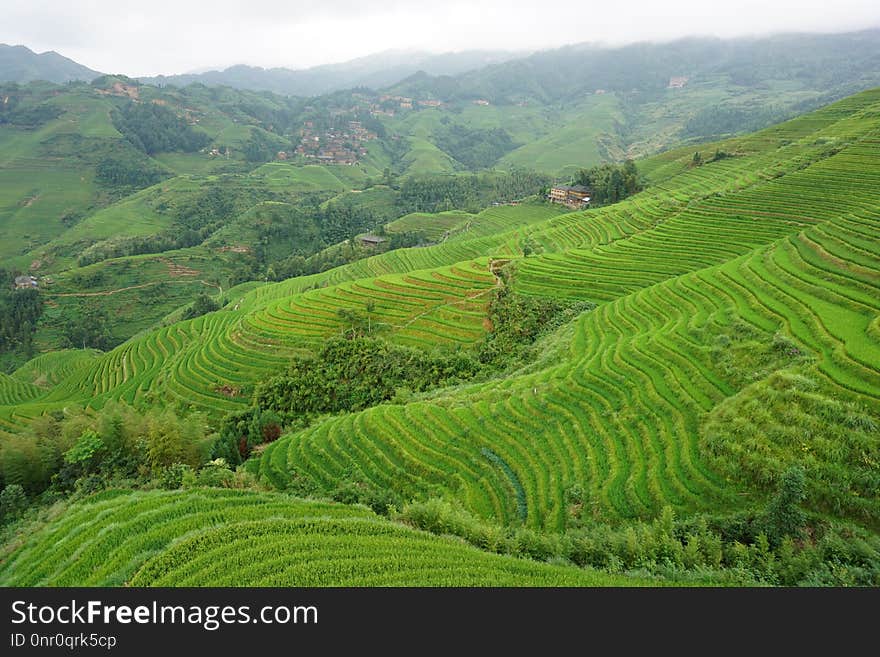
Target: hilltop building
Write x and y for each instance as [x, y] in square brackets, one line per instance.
[573, 196]
[677, 82]
[25, 283]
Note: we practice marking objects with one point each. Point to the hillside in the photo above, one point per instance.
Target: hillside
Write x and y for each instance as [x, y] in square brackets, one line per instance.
[374, 71]
[749, 231]
[584, 104]
[21, 64]
[731, 340]
[199, 538]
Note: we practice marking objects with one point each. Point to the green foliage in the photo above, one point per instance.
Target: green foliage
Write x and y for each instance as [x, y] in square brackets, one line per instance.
[174, 476]
[519, 320]
[13, 503]
[353, 374]
[262, 147]
[20, 310]
[382, 501]
[476, 148]
[736, 296]
[784, 517]
[84, 450]
[717, 120]
[128, 246]
[125, 169]
[789, 420]
[610, 183]
[436, 193]
[201, 306]
[154, 128]
[215, 473]
[87, 447]
[88, 328]
[712, 549]
[29, 461]
[171, 440]
[197, 536]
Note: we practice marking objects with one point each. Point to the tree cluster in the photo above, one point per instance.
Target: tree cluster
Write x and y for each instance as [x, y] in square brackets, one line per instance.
[154, 128]
[85, 451]
[20, 310]
[476, 148]
[610, 183]
[353, 374]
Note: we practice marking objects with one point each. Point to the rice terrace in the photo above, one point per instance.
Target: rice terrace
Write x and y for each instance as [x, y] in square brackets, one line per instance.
[459, 327]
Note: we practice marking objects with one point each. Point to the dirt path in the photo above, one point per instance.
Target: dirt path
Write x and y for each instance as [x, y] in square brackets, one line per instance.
[107, 293]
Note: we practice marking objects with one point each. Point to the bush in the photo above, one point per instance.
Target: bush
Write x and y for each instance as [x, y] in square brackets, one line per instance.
[783, 517]
[13, 503]
[174, 476]
[215, 473]
[201, 306]
[350, 375]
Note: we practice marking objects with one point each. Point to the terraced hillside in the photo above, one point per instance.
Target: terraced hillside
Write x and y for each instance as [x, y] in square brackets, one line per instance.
[768, 252]
[205, 537]
[778, 243]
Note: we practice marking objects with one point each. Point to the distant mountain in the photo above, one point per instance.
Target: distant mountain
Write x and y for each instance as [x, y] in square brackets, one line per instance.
[21, 64]
[837, 63]
[375, 71]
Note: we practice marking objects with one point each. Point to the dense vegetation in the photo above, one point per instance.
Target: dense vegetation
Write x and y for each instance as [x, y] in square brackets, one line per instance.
[85, 452]
[353, 374]
[20, 310]
[609, 183]
[681, 382]
[467, 192]
[475, 148]
[154, 128]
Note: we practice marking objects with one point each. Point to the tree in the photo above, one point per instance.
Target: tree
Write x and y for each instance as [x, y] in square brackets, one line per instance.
[610, 183]
[87, 328]
[783, 517]
[85, 451]
[201, 306]
[13, 503]
[171, 440]
[370, 308]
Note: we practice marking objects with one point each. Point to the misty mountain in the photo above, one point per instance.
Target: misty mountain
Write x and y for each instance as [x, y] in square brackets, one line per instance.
[374, 71]
[836, 63]
[21, 64]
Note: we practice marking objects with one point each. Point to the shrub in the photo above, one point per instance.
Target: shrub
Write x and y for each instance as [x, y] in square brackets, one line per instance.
[13, 503]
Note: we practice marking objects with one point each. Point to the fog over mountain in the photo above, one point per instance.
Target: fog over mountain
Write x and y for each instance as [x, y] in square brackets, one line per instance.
[169, 37]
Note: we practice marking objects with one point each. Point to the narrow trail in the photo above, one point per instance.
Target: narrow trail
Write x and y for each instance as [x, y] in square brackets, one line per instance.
[106, 293]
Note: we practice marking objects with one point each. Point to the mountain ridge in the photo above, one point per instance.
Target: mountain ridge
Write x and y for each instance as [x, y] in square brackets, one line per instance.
[19, 63]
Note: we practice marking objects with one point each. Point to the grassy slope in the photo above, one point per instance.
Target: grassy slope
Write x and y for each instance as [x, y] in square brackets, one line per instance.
[198, 537]
[37, 189]
[622, 417]
[741, 241]
[575, 142]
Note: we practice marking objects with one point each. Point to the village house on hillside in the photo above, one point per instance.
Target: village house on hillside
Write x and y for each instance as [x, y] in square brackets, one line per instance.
[371, 241]
[677, 82]
[340, 146]
[25, 282]
[573, 196]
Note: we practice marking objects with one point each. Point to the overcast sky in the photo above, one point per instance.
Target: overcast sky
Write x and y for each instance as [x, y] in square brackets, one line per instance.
[148, 37]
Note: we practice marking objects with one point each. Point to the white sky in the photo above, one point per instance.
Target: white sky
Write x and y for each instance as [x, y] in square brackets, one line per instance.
[148, 37]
